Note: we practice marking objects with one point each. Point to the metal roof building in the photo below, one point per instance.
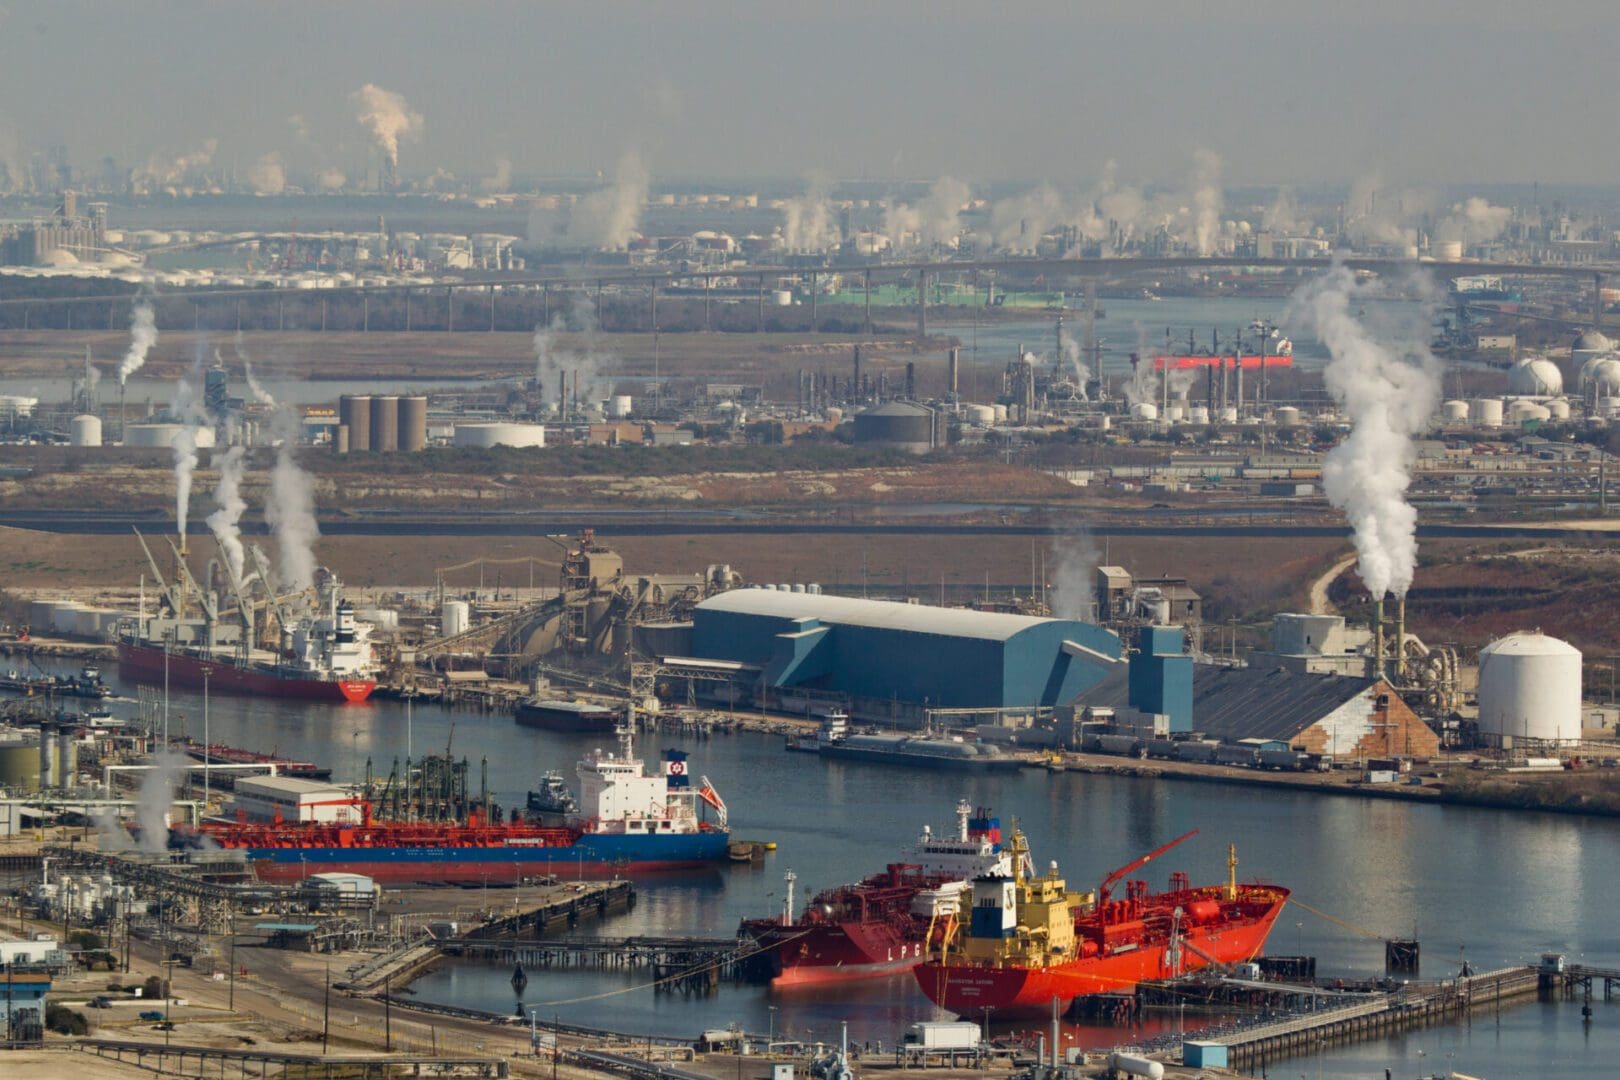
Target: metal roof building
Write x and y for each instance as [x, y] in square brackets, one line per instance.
[892, 660]
[1324, 714]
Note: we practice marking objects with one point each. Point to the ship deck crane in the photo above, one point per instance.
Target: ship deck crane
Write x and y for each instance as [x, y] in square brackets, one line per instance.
[1124, 872]
[174, 599]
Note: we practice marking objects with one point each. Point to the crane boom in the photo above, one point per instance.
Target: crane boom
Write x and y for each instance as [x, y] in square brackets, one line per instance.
[1125, 871]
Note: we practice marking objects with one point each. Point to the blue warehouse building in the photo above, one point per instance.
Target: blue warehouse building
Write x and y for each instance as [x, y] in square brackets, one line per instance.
[894, 661]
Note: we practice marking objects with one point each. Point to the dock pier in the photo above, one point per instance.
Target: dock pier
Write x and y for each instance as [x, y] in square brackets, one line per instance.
[1412, 1007]
[685, 965]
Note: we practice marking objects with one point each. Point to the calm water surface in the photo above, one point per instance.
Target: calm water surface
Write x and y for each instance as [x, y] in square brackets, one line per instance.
[1494, 887]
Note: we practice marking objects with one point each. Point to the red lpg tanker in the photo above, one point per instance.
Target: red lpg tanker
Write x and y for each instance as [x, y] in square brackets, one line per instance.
[1030, 940]
[885, 924]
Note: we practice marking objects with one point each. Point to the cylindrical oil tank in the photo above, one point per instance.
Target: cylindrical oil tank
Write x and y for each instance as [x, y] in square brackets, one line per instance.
[903, 425]
[67, 758]
[1144, 410]
[85, 430]
[1446, 250]
[620, 406]
[19, 765]
[1199, 414]
[485, 435]
[151, 436]
[384, 424]
[354, 411]
[454, 618]
[47, 756]
[1229, 415]
[1530, 689]
[979, 415]
[340, 439]
[1486, 412]
[1001, 413]
[1559, 408]
[1454, 412]
[1287, 416]
[1172, 413]
[798, 587]
[814, 589]
[413, 423]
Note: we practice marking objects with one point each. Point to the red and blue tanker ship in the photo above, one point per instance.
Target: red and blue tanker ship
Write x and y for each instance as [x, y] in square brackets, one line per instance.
[637, 823]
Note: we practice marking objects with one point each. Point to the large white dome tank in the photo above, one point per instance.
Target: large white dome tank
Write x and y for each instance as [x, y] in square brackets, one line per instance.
[1536, 376]
[1601, 376]
[1530, 689]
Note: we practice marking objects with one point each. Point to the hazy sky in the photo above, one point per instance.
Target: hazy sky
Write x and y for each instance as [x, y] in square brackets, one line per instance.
[1421, 92]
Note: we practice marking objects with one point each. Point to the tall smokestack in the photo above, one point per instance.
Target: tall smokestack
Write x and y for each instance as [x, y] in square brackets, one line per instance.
[911, 381]
[857, 370]
[1397, 652]
[1378, 638]
[576, 391]
[953, 371]
[562, 394]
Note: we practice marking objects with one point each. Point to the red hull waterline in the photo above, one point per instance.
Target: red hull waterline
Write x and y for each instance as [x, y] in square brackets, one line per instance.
[1015, 992]
[146, 665]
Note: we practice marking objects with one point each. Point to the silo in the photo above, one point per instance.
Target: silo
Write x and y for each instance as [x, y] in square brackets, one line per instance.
[340, 439]
[85, 430]
[47, 757]
[413, 423]
[1530, 689]
[384, 424]
[354, 412]
[67, 758]
[454, 618]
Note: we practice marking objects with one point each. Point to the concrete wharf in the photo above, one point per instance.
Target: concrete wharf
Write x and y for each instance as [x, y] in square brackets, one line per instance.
[1411, 1007]
[684, 964]
[178, 1060]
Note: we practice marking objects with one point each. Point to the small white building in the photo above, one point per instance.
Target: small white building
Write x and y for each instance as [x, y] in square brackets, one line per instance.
[264, 798]
[348, 885]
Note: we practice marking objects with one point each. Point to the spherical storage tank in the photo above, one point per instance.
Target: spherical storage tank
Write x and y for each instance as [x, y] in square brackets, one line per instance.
[85, 430]
[899, 424]
[1530, 688]
[1601, 376]
[1536, 376]
[483, 436]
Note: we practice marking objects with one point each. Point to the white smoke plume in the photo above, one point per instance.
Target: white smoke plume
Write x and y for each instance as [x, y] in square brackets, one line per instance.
[330, 179]
[142, 336]
[92, 374]
[1474, 221]
[156, 797]
[1207, 200]
[13, 167]
[1017, 223]
[591, 362]
[290, 513]
[267, 176]
[387, 117]
[936, 220]
[1143, 384]
[161, 172]
[1388, 385]
[606, 220]
[545, 340]
[500, 180]
[808, 221]
[225, 521]
[191, 415]
[1074, 593]
[260, 394]
[1073, 356]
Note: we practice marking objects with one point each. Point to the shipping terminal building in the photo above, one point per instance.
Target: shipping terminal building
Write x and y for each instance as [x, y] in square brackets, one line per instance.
[889, 661]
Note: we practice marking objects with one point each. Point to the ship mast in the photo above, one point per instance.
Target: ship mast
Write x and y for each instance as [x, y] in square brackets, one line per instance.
[964, 810]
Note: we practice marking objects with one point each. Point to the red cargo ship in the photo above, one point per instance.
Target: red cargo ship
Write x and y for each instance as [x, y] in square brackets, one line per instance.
[886, 924]
[226, 674]
[1031, 941]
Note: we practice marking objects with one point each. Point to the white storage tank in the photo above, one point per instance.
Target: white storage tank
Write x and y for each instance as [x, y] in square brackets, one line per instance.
[620, 406]
[784, 297]
[1229, 415]
[1536, 376]
[454, 618]
[1600, 375]
[1530, 689]
[1486, 412]
[1559, 408]
[84, 430]
[1200, 414]
[1144, 410]
[1173, 413]
[1287, 416]
[1454, 412]
[979, 415]
[1446, 250]
[486, 435]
